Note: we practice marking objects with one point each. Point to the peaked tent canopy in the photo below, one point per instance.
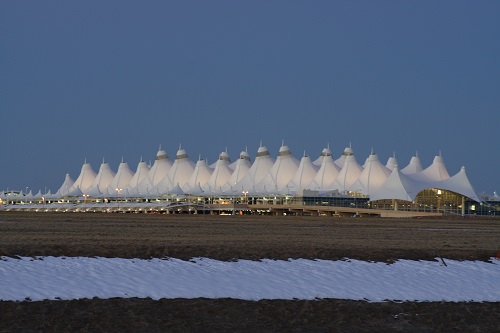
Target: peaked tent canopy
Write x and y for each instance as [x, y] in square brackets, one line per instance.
[281, 173]
[139, 176]
[324, 153]
[121, 180]
[243, 156]
[200, 176]
[415, 166]
[303, 176]
[341, 160]
[101, 182]
[326, 175]
[177, 175]
[434, 172]
[285, 175]
[372, 177]
[84, 180]
[260, 168]
[348, 175]
[219, 178]
[240, 169]
[391, 163]
[156, 173]
[459, 183]
[397, 186]
[66, 187]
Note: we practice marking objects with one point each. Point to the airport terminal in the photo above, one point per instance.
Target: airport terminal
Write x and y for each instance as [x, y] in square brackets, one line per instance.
[281, 185]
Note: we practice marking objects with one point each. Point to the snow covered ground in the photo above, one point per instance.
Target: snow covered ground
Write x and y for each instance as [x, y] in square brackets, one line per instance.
[78, 277]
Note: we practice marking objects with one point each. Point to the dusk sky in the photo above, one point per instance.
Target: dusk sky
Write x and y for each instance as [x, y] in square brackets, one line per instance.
[111, 79]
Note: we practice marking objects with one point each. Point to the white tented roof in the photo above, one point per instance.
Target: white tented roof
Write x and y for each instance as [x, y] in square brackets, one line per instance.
[178, 175]
[282, 172]
[434, 172]
[176, 190]
[156, 173]
[38, 195]
[140, 176]
[372, 177]
[324, 153]
[101, 182]
[397, 186]
[348, 175]
[160, 167]
[326, 175]
[240, 169]
[415, 166]
[66, 186]
[283, 176]
[121, 180]
[84, 180]
[404, 187]
[391, 163]
[49, 195]
[259, 169]
[243, 156]
[459, 183]
[220, 176]
[198, 179]
[340, 161]
[303, 176]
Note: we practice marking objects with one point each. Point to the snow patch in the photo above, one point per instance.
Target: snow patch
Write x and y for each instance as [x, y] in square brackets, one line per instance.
[67, 278]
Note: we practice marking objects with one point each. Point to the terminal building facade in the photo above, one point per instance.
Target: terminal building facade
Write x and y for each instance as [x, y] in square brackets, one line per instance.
[281, 185]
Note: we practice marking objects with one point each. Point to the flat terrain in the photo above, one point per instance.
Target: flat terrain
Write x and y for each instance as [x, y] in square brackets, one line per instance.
[246, 237]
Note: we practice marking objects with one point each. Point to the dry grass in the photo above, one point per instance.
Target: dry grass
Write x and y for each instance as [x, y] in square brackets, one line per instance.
[248, 237]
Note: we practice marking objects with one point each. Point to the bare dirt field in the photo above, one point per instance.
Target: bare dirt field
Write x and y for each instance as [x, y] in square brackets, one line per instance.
[246, 237]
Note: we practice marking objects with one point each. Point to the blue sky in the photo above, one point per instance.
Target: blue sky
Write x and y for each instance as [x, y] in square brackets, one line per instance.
[113, 79]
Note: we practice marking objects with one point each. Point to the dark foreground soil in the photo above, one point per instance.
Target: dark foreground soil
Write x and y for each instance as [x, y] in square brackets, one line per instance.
[249, 237]
[230, 315]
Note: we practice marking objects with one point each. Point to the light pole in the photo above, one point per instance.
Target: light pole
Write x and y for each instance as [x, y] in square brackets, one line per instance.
[85, 196]
[118, 190]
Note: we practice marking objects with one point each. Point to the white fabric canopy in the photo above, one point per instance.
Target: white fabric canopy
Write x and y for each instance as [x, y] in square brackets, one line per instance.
[66, 187]
[372, 177]
[348, 175]
[259, 169]
[341, 160]
[220, 176]
[101, 182]
[240, 169]
[303, 176]
[177, 175]
[156, 173]
[397, 186]
[324, 153]
[326, 175]
[84, 180]
[121, 180]
[139, 176]
[434, 172]
[201, 174]
[415, 166]
[266, 176]
[391, 163]
[281, 173]
[403, 187]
